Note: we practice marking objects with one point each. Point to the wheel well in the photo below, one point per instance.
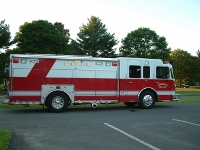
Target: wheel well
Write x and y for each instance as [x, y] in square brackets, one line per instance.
[59, 92]
[151, 90]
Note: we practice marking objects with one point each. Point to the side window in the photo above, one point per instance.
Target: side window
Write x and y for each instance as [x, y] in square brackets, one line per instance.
[162, 72]
[146, 72]
[134, 71]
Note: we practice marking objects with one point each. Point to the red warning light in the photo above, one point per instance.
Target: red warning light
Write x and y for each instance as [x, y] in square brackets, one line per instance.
[58, 87]
[114, 63]
[15, 60]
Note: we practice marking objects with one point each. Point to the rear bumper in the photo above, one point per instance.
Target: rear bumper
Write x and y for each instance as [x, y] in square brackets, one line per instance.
[176, 97]
[6, 101]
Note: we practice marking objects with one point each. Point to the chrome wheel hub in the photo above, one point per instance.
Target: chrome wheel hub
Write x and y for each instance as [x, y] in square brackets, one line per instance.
[57, 102]
[148, 100]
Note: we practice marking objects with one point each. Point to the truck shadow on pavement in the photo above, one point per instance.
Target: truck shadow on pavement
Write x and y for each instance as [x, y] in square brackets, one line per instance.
[136, 108]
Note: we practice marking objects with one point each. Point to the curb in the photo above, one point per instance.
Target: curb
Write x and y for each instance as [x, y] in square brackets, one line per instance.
[14, 143]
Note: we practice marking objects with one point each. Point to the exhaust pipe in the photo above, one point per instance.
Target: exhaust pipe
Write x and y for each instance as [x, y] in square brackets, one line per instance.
[94, 105]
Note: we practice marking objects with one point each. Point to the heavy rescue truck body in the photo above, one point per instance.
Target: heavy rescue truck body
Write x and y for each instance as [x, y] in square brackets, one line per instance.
[60, 80]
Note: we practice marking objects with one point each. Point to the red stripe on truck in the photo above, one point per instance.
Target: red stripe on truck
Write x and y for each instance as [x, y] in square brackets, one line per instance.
[45, 64]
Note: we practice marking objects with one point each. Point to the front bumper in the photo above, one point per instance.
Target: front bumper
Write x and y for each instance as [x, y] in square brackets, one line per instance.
[176, 97]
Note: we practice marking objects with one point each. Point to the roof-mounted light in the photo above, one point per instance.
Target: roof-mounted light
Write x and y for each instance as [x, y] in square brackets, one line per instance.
[165, 62]
[15, 60]
[115, 63]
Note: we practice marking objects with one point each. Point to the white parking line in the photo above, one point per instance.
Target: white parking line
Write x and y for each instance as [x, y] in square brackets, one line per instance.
[186, 122]
[132, 137]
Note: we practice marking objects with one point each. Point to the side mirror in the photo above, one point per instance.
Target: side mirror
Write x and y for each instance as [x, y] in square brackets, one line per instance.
[6, 69]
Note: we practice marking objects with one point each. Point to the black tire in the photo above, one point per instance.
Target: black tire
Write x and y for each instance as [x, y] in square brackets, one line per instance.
[46, 104]
[57, 102]
[147, 99]
[130, 104]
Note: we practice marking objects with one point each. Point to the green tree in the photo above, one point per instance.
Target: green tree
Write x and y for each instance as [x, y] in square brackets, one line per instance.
[184, 66]
[4, 35]
[94, 40]
[198, 53]
[193, 68]
[2, 67]
[61, 28]
[197, 71]
[41, 37]
[74, 47]
[4, 44]
[144, 43]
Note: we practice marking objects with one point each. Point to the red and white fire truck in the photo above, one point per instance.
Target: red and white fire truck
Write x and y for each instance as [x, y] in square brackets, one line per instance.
[60, 80]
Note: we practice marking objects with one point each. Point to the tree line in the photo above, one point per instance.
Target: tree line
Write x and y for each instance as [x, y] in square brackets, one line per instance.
[93, 39]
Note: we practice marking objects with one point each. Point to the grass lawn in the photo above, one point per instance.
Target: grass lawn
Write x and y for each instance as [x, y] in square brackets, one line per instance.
[5, 137]
[191, 94]
[194, 89]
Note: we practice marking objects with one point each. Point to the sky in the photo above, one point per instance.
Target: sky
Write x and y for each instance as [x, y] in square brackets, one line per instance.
[177, 20]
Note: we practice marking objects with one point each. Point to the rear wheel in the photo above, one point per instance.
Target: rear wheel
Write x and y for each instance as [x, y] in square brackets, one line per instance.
[147, 99]
[57, 102]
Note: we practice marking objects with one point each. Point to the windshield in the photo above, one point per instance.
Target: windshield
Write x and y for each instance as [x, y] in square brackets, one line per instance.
[162, 72]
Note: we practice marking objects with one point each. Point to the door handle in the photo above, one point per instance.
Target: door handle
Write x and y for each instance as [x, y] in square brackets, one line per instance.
[130, 82]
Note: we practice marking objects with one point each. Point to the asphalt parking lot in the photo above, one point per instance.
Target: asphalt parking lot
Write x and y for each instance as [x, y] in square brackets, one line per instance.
[167, 126]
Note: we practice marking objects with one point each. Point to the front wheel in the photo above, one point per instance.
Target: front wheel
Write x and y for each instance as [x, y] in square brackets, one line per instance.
[147, 99]
[57, 102]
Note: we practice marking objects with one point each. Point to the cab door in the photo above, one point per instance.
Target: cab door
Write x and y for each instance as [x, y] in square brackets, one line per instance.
[133, 80]
[129, 79]
[163, 82]
[162, 77]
